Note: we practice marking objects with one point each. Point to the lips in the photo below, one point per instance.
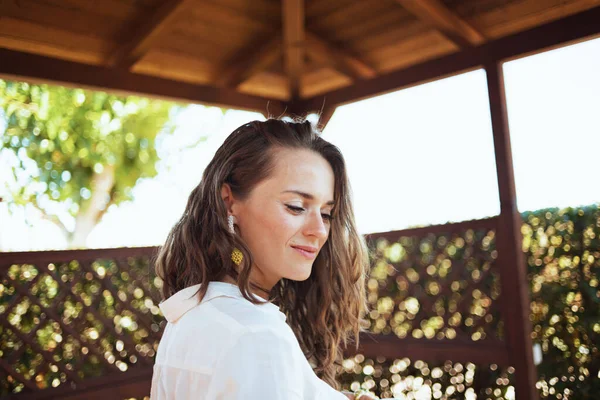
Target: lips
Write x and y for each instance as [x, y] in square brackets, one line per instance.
[310, 249]
[307, 251]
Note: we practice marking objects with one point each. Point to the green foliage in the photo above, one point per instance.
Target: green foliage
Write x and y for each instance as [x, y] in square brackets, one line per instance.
[65, 139]
[562, 249]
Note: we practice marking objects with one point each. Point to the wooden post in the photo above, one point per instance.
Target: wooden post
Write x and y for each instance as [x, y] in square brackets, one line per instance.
[293, 23]
[325, 116]
[299, 109]
[514, 299]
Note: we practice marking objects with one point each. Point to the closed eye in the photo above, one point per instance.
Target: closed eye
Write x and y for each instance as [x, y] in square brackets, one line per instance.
[300, 210]
[328, 217]
[295, 209]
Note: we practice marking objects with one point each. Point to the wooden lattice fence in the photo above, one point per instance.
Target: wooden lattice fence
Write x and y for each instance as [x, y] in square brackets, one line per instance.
[71, 316]
[435, 298]
[85, 324]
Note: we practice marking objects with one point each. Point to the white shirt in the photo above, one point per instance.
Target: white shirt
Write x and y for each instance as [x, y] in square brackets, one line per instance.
[226, 347]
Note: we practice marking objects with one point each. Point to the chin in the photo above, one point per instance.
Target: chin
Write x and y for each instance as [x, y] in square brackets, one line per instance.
[300, 274]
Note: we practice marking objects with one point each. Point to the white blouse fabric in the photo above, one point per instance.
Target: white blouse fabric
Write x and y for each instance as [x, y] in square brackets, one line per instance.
[226, 347]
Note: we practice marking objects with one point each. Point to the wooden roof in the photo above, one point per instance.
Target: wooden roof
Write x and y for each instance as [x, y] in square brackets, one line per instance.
[240, 52]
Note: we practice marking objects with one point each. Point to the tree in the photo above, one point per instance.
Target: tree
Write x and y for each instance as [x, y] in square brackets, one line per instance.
[76, 152]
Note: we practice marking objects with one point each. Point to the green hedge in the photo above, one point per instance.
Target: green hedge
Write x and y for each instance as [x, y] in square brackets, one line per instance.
[562, 251]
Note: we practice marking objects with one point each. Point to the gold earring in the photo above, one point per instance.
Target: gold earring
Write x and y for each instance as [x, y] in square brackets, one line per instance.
[237, 256]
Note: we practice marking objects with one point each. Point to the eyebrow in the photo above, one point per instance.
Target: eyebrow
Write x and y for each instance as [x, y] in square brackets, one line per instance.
[307, 196]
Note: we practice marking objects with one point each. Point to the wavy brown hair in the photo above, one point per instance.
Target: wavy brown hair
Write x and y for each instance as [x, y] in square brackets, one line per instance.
[325, 310]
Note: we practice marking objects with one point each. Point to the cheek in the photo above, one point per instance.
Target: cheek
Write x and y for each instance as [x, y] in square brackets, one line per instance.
[269, 226]
[281, 225]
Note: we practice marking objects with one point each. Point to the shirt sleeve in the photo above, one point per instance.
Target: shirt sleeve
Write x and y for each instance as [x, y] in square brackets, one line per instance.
[259, 365]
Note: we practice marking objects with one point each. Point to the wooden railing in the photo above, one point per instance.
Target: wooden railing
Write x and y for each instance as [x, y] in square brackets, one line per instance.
[85, 323]
[78, 321]
[435, 294]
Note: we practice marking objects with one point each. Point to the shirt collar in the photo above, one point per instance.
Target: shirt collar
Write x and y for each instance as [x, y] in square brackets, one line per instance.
[184, 300]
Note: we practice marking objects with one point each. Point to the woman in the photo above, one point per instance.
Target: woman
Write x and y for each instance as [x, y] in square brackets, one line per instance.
[264, 272]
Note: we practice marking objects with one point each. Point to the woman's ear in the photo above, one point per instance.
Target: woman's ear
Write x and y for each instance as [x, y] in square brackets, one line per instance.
[227, 196]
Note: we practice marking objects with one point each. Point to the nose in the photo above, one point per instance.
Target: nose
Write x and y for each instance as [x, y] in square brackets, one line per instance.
[315, 226]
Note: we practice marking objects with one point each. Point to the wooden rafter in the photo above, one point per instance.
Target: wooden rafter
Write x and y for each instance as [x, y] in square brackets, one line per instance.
[445, 21]
[148, 34]
[19, 65]
[340, 59]
[250, 61]
[293, 42]
[260, 55]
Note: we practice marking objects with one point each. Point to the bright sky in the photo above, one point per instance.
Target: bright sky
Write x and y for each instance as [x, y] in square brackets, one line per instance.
[419, 156]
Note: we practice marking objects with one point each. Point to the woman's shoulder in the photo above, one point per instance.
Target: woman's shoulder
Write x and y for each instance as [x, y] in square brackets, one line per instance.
[242, 315]
[222, 304]
[206, 330]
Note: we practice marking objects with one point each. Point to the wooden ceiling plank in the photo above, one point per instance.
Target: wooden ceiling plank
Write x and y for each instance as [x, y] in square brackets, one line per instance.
[147, 35]
[264, 11]
[338, 58]
[271, 85]
[67, 19]
[522, 15]
[293, 42]
[217, 13]
[350, 14]
[176, 66]
[17, 65]
[440, 17]
[20, 35]
[381, 23]
[321, 81]
[249, 62]
[390, 35]
[319, 8]
[413, 50]
[108, 8]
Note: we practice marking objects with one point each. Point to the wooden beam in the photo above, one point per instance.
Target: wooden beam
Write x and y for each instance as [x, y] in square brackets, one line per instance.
[148, 34]
[250, 61]
[33, 257]
[568, 30]
[443, 229]
[435, 13]
[135, 382]
[293, 42]
[23, 66]
[431, 350]
[511, 260]
[346, 63]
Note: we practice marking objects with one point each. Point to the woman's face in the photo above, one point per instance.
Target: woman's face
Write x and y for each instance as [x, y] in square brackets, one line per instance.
[285, 220]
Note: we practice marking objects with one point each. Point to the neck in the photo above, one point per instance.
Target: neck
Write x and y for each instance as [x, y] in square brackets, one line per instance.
[255, 288]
